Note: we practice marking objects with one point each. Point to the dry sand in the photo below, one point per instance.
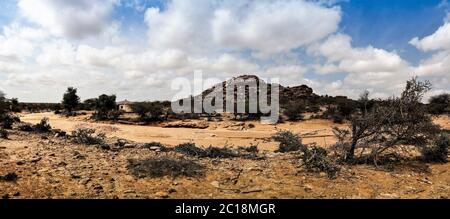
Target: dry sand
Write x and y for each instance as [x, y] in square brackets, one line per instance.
[54, 167]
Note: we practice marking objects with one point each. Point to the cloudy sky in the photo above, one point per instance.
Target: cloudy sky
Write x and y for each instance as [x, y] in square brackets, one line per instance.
[134, 48]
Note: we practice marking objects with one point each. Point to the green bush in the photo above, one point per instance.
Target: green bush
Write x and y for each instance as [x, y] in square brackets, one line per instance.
[4, 134]
[43, 126]
[316, 159]
[294, 111]
[88, 137]
[288, 141]
[438, 152]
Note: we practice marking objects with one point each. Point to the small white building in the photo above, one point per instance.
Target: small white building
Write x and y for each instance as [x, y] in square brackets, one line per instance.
[125, 106]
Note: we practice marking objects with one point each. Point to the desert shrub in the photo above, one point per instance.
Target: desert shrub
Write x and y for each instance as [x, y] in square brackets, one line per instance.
[43, 126]
[153, 144]
[313, 108]
[88, 137]
[70, 100]
[294, 111]
[190, 149]
[251, 149]
[158, 145]
[438, 152]
[26, 127]
[149, 111]
[288, 141]
[337, 118]
[439, 104]
[7, 121]
[215, 152]
[3, 134]
[396, 121]
[15, 105]
[105, 107]
[165, 166]
[346, 108]
[316, 159]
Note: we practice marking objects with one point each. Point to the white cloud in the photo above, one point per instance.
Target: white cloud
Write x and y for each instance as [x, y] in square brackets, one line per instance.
[68, 18]
[382, 71]
[342, 57]
[262, 26]
[440, 40]
[274, 26]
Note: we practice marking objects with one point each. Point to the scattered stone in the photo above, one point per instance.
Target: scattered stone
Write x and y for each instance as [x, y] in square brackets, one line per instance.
[172, 190]
[129, 191]
[78, 156]
[75, 176]
[61, 164]
[162, 195]
[426, 181]
[121, 142]
[16, 194]
[20, 162]
[308, 188]
[59, 133]
[85, 181]
[129, 145]
[5, 196]
[154, 148]
[36, 159]
[215, 184]
[389, 195]
[98, 187]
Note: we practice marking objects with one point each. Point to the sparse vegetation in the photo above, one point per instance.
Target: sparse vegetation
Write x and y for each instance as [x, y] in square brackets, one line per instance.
[439, 104]
[25, 127]
[294, 111]
[70, 100]
[88, 137]
[393, 122]
[7, 121]
[105, 108]
[4, 134]
[438, 151]
[165, 166]
[288, 141]
[43, 126]
[316, 159]
[149, 111]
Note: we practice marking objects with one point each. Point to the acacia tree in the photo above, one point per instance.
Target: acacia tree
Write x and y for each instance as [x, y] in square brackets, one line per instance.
[3, 104]
[149, 111]
[393, 122]
[439, 104]
[70, 100]
[104, 105]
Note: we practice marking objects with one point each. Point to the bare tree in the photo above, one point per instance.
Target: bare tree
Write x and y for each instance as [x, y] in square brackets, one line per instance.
[392, 122]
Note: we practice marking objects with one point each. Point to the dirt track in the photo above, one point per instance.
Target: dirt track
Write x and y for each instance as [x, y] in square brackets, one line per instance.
[318, 131]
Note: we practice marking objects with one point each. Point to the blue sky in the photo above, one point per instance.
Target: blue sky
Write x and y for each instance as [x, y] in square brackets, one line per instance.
[390, 24]
[338, 47]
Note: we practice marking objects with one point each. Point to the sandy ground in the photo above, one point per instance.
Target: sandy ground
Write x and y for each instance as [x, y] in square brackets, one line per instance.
[318, 131]
[51, 167]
